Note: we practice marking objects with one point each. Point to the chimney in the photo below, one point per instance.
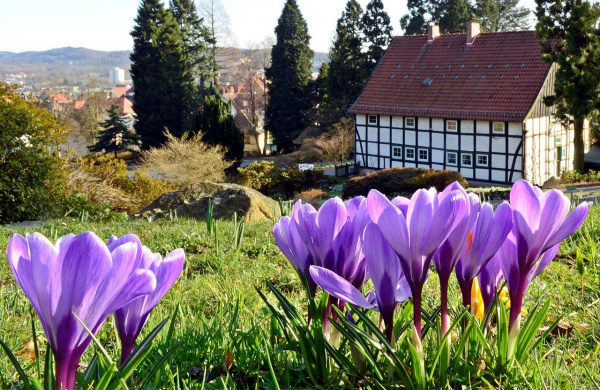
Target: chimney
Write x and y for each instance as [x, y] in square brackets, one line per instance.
[433, 32]
[472, 31]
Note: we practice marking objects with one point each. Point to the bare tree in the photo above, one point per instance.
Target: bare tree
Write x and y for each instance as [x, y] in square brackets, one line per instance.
[223, 44]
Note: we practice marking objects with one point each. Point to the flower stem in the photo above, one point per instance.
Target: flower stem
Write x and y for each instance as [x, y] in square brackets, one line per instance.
[417, 312]
[65, 371]
[444, 307]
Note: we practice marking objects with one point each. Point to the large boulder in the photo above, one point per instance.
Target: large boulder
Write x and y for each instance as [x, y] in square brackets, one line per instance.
[227, 199]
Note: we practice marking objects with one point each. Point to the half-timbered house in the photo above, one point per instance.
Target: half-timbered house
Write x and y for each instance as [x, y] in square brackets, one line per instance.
[467, 102]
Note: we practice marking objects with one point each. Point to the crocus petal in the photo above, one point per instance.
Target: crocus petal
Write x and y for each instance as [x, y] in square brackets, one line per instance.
[545, 260]
[524, 198]
[420, 213]
[570, 225]
[384, 269]
[339, 287]
[449, 213]
[21, 267]
[377, 202]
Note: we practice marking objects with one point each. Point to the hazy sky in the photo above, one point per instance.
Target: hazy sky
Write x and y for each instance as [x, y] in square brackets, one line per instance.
[105, 24]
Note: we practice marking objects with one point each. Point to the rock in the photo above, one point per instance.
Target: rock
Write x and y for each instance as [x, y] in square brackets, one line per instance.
[227, 199]
[553, 182]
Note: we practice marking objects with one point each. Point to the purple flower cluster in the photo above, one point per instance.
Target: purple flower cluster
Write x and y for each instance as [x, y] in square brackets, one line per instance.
[393, 243]
[81, 278]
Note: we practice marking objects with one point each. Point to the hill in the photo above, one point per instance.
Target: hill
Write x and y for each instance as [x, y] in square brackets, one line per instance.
[64, 65]
[69, 65]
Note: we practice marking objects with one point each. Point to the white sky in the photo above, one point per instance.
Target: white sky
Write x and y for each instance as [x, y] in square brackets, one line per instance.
[105, 24]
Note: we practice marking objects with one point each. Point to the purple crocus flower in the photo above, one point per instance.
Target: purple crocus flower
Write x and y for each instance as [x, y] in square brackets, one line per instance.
[416, 231]
[383, 267]
[130, 319]
[489, 280]
[540, 224]
[330, 238]
[450, 251]
[487, 235]
[79, 276]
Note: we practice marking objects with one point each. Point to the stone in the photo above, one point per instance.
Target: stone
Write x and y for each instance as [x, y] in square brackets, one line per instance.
[227, 199]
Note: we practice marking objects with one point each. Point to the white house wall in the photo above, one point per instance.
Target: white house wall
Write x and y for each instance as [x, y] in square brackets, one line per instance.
[545, 139]
[384, 141]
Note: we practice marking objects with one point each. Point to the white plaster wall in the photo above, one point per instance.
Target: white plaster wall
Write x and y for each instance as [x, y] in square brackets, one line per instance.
[466, 143]
[437, 156]
[372, 132]
[498, 161]
[437, 166]
[467, 172]
[482, 127]
[397, 137]
[423, 123]
[423, 138]
[515, 128]
[451, 141]
[410, 137]
[482, 174]
[437, 124]
[384, 150]
[437, 140]
[483, 142]
[362, 132]
[372, 148]
[384, 135]
[396, 164]
[499, 145]
[361, 119]
[497, 175]
[467, 126]
[397, 121]
[384, 120]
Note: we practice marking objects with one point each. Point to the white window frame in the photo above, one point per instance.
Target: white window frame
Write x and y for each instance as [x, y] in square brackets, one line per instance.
[414, 122]
[462, 163]
[406, 150]
[487, 160]
[374, 117]
[448, 122]
[419, 155]
[394, 148]
[455, 163]
[494, 128]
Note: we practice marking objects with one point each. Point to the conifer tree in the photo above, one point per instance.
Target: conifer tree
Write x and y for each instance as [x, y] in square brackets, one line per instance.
[414, 22]
[196, 41]
[288, 104]
[219, 128]
[570, 37]
[453, 15]
[161, 77]
[347, 63]
[377, 31]
[115, 135]
[501, 15]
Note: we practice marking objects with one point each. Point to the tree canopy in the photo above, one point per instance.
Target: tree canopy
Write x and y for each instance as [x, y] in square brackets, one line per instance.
[114, 135]
[569, 35]
[288, 103]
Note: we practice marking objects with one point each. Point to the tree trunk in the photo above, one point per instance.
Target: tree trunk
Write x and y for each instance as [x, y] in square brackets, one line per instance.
[578, 144]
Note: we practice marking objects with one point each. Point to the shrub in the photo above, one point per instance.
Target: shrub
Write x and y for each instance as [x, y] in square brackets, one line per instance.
[266, 177]
[187, 160]
[32, 175]
[568, 177]
[338, 144]
[109, 182]
[313, 193]
[401, 181]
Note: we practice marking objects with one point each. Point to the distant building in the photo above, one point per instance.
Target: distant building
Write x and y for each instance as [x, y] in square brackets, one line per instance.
[473, 103]
[117, 76]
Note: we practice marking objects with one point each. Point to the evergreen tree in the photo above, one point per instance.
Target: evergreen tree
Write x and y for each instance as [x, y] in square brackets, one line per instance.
[377, 31]
[197, 41]
[161, 77]
[347, 63]
[501, 15]
[570, 37]
[288, 104]
[219, 128]
[453, 15]
[115, 135]
[414, 22]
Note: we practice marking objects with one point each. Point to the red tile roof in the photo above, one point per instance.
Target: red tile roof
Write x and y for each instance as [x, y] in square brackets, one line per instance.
[498, 77]
[79, 104]
[121, 90]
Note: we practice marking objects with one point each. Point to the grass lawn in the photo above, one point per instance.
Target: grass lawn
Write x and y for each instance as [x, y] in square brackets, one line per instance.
[226, 332]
